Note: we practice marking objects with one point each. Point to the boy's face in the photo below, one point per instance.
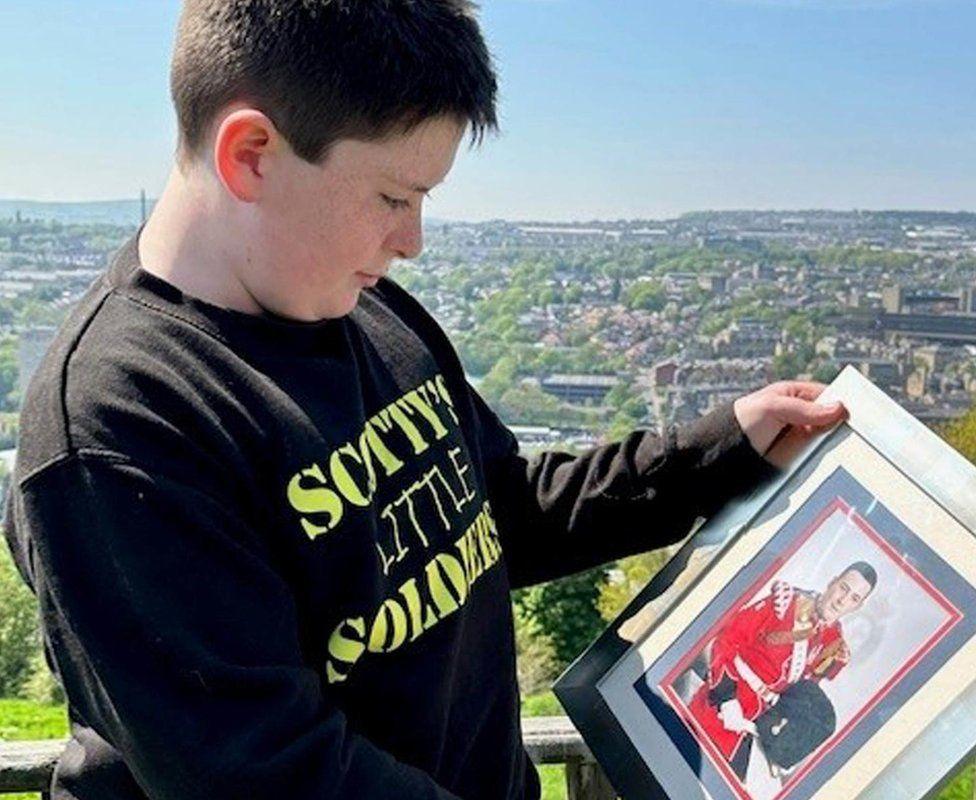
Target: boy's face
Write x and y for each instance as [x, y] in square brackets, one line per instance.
[329, 230]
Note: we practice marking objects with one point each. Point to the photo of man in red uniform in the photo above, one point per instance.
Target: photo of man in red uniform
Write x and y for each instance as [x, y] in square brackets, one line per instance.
[787, 636]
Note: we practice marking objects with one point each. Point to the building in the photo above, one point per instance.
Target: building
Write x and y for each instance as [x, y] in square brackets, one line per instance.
[665, 372]
[713, 282]
[935, 357]
[746, 338]
[880, 371]
[579, 389]
[946, 328]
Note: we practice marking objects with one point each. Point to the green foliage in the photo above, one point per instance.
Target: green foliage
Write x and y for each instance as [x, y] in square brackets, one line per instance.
[529, 405]
[632, 575]
[630, 410]
[25, 720]
[786, 365]
[499, 379]
[961, 434]
[35, 311]
[564, 611]
[535, 656]
[866, 258]
[626, 398]
[799, 327]
[8, 371]
[645, 295]
[621, 426]
[824, 371]
[41, 686]
[479, 352]
[961, 788]
[714, 323]
[9, 425]
[553, 780]
[541, 704]
[19, 637]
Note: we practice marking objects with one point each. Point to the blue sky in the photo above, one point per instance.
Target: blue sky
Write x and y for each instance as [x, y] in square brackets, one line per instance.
[610, 108]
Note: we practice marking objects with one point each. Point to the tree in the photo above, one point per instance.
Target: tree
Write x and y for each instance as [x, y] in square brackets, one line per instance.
[645, 295]
[19, 637]
[825, 371]
[479, 352]
[41, 686]
[620, 427]
[9, 370]
[528, 405]
[564, 611]
[500, 379]
[786, 366]
[631, 575]
[961, 434]
[535, 656]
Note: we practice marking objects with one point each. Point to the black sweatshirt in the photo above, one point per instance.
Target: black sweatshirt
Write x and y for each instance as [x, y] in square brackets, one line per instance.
[274, 558]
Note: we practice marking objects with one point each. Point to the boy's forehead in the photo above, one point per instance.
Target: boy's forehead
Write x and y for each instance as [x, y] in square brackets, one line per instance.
[417, 160]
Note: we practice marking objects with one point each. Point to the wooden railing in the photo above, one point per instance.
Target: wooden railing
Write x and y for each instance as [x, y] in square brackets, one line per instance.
[27, 766]
[554, 740]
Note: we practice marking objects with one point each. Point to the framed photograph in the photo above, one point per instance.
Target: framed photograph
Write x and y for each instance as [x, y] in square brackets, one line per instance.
[814, 641]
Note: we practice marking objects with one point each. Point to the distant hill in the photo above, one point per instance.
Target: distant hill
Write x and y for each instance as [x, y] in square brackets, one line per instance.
[128, 212]
[896, 217]
[111, 212]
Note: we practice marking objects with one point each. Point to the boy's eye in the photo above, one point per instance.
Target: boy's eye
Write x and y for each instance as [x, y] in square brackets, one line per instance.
[395, 203]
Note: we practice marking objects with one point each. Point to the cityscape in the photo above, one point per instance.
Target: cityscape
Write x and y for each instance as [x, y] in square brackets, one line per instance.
[579, 332]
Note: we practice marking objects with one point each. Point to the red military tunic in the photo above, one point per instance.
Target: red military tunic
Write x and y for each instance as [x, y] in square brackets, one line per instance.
[779, 639]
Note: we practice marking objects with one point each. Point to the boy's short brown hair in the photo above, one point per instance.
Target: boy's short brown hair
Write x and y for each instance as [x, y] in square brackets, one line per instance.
[324, 70]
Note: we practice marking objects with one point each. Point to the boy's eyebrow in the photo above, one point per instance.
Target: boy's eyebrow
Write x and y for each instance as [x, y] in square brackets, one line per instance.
[412, 187]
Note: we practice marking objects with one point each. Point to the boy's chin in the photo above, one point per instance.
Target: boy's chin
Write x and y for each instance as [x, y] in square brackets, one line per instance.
[335, 307]
[340, 306]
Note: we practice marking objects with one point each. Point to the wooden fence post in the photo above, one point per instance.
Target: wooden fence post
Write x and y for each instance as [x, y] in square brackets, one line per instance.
[586, 781]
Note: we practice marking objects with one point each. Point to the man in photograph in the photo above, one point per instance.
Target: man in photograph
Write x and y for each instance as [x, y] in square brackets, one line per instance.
[788, 636]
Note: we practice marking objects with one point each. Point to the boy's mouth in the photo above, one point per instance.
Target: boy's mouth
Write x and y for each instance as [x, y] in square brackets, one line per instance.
[368, 278]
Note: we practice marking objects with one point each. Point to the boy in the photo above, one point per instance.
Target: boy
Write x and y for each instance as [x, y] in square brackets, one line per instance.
[272, 530]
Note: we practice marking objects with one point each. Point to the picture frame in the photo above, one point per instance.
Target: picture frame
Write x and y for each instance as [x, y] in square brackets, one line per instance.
[812, 641]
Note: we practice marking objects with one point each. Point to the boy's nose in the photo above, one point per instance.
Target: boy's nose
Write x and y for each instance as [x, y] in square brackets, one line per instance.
[407, 241]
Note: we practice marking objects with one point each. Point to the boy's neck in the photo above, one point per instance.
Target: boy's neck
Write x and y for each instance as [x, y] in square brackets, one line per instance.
[190, 241]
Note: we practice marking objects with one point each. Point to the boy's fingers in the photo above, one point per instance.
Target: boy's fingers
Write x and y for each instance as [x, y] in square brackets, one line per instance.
[796, 411]
[807, 390]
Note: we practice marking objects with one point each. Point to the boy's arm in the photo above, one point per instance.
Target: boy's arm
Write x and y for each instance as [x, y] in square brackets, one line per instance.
[177, 641]
[558, 513]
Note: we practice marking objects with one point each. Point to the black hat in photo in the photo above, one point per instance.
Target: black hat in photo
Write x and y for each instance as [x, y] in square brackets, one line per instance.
[798, 724]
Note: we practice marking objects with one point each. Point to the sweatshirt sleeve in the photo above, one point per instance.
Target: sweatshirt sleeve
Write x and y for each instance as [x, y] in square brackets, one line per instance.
[559, 513]
[177, 640]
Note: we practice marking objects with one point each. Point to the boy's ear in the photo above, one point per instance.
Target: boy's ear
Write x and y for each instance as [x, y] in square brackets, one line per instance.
[243, 147]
